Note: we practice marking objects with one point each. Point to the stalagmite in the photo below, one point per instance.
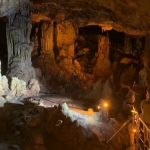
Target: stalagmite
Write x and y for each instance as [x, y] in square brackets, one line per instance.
[102, 68]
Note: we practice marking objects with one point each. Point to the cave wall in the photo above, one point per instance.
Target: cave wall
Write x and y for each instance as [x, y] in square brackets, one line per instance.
[47, 37]
[71, 63]
[66, 36]
[54, 44]
[145, 72]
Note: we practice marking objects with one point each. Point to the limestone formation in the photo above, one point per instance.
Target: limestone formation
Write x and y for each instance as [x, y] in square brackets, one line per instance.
[69, 55]
[102, 67]
[47, 37]
[19, 45]
[33, 88]
[18, 89]
[7, 7]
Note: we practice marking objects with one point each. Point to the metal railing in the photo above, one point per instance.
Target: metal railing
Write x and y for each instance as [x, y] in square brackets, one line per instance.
[138, 130]
[142, 134]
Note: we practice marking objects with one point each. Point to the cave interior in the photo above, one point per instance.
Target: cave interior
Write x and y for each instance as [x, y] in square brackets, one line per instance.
[74, 75]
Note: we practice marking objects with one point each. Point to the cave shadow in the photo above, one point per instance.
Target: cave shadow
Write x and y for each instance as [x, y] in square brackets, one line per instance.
[3, 45]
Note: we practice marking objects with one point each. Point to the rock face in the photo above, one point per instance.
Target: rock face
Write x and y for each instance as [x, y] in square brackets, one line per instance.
[80, 47]
[102, 67]
[146, 69]
[79, 58]
[19, 45]
[16, 90]
[7, 7]
[47, 37]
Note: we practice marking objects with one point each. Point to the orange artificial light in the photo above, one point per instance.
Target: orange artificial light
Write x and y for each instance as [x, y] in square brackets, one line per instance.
[98, 107]
[134, 130]
[105, 105]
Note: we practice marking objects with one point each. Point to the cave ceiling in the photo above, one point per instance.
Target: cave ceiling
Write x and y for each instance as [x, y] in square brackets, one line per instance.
[132, 17]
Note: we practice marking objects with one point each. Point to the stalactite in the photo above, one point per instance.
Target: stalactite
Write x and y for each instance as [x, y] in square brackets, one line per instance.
[19, 45]
[47, 37]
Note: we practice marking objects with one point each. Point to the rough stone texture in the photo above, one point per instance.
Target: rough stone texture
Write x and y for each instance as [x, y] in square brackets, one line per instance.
[146, 70]
[19, 45]
[8, 7]
[70, 67]
[66, 34]
[33, 128]
[16, 90]
[33, 88]
[102, 67]
[47, 37]
[109, 14]
[145, 107]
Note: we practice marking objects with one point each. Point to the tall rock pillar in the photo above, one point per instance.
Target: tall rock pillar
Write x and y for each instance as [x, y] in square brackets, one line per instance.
[19, 45]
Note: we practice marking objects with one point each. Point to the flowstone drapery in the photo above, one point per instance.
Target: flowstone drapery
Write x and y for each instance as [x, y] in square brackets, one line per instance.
[16, 90]
[19, 46]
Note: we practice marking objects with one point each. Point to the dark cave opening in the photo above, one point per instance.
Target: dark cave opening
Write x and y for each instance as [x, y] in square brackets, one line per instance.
[3, 45]
[86, 46]
[88, 38]
[126, 53]
[123, 45]
[116, 43]
[36, 38]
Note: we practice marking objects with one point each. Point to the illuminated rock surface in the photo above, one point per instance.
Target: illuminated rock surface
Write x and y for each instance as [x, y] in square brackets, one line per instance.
[16, 90]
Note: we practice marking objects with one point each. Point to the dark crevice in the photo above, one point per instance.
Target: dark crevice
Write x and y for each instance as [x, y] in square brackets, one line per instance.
[125, 54]
[86, 46]
[36, 36]
[3, 46]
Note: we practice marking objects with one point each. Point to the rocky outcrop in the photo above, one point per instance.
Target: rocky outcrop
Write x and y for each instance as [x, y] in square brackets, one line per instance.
[15, 90]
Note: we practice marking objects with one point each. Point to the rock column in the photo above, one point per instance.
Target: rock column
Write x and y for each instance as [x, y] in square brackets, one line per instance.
[19, 46]
[102, 68]
[47, 37]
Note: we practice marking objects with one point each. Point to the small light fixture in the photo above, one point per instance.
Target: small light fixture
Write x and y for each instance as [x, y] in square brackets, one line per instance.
[98, 107]
[134, 130]
[105, 105]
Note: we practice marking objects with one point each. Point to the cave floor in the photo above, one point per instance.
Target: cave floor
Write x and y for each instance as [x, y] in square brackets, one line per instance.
[33, 127]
